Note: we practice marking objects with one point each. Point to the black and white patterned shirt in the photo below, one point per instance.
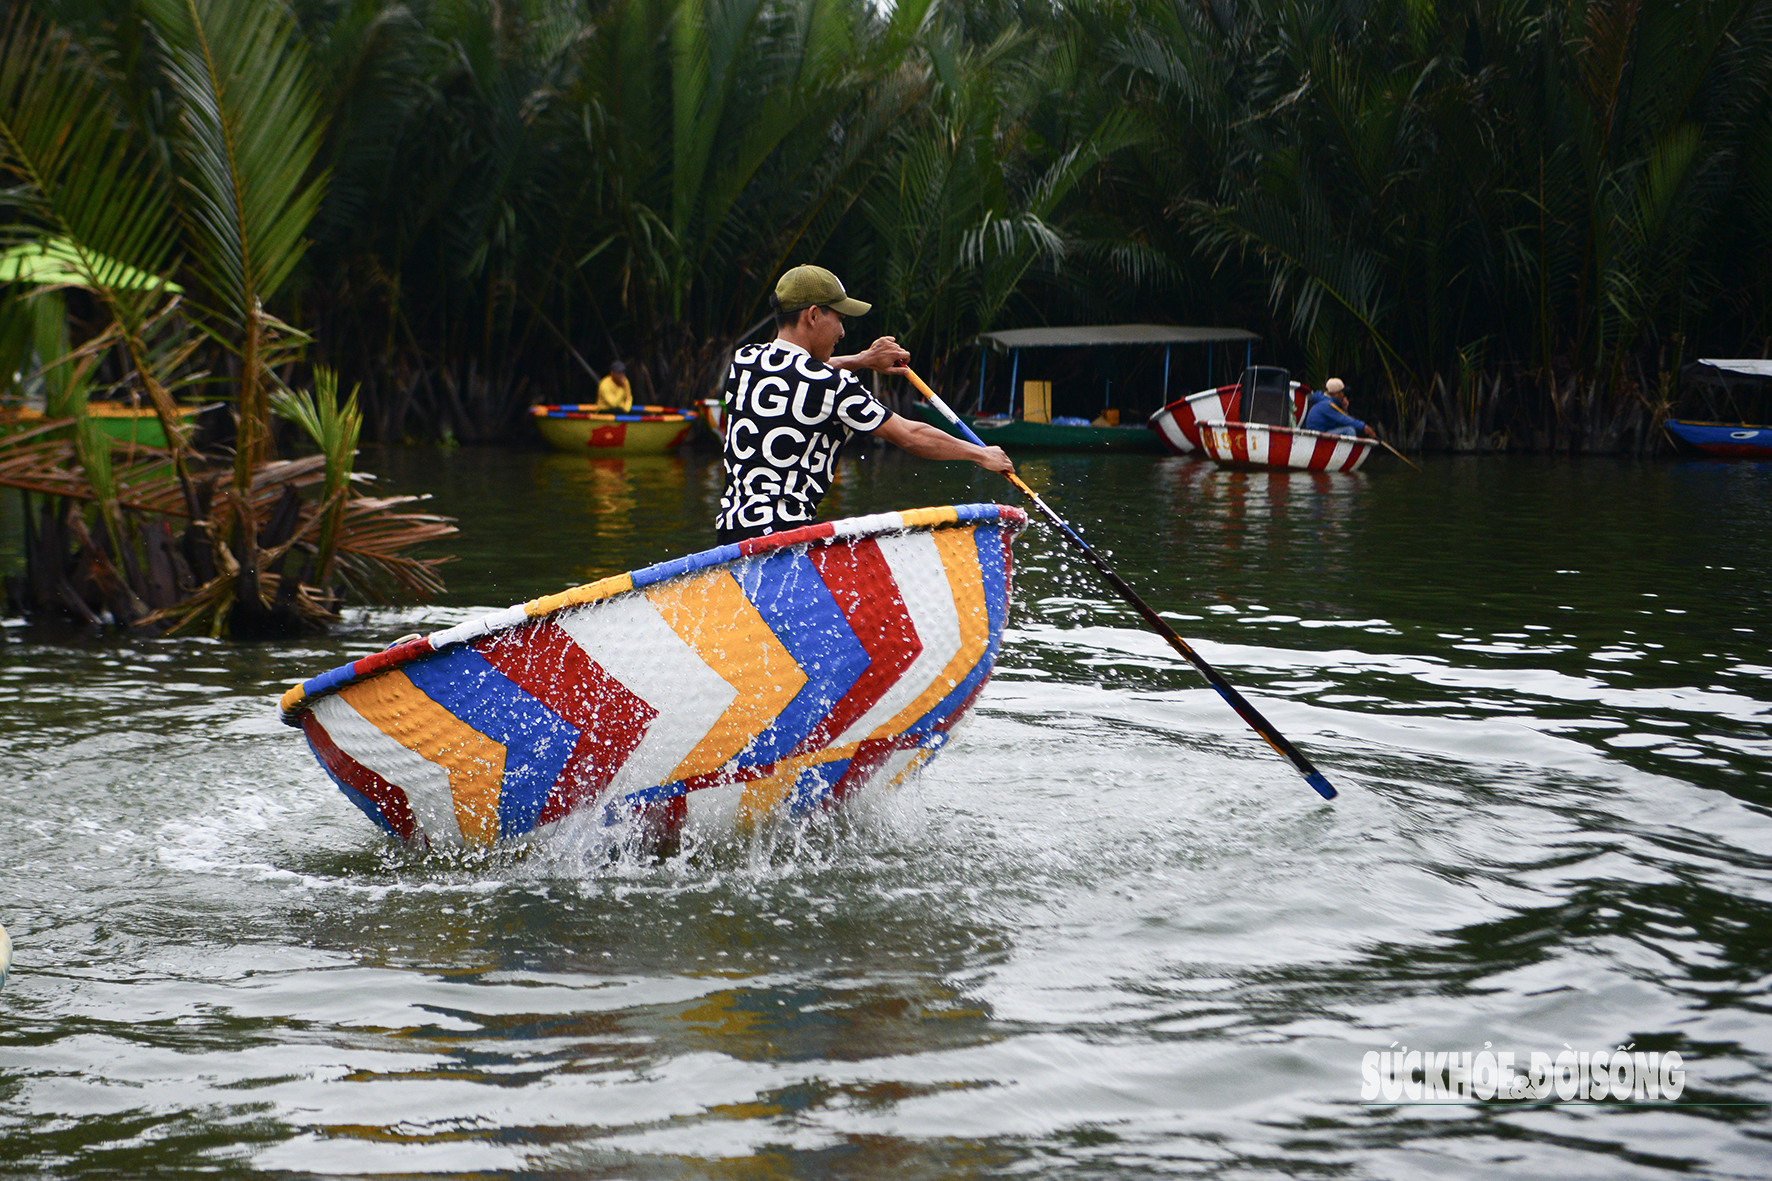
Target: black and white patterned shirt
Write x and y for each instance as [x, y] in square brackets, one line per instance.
[787, 417]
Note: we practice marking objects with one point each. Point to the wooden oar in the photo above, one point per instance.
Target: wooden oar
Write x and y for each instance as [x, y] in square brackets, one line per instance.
[1395, 452]
[1226, 690]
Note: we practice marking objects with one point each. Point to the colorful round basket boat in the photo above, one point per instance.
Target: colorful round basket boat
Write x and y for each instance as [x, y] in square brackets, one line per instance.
[779, 673]
[647, 430]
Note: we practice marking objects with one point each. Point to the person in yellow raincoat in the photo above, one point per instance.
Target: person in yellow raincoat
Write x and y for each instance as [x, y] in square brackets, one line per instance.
[614, 394]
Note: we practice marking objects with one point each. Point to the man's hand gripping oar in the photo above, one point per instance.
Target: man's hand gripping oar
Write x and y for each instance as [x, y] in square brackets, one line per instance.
[1226, 690]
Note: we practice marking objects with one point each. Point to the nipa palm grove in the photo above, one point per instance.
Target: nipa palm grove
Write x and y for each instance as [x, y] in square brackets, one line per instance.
[1513, 221]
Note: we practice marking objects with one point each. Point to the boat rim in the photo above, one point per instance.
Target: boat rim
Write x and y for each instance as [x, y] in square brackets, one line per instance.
[301, 697]
[1291, 430]
[578, 410]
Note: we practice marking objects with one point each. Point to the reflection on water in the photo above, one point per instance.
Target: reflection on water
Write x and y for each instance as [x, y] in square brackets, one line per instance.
[1263, 517]
[1236, 495]
[1108, 934]
[608, 491]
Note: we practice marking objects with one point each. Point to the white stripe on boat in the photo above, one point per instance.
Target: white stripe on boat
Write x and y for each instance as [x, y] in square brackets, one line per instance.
[425, 783]
[628, 638]
[928, 599]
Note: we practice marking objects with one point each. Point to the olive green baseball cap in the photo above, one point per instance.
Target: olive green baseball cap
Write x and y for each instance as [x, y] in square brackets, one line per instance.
[805, 286]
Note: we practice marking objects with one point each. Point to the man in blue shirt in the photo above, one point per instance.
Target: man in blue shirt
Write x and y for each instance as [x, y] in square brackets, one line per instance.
[1328, 412]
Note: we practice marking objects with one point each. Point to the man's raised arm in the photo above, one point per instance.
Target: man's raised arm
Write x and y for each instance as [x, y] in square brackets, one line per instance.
[884, 355]
[925, 441]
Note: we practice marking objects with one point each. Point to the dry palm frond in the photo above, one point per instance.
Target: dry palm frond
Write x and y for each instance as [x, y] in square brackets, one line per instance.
[209, 603]
[372, 540]
[373, 536]
[45, 459]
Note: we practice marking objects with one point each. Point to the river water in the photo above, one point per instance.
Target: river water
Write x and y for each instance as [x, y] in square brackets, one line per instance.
[1107, 934]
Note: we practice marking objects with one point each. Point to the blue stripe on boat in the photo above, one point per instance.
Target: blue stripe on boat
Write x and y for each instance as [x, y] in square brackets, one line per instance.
[644, 795]
[330, 680]
[814, 786]
[665, 571]
[799, 608]
[988, 543]
[537, 741]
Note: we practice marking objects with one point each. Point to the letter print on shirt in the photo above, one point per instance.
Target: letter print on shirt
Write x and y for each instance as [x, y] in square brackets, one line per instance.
[788, 417]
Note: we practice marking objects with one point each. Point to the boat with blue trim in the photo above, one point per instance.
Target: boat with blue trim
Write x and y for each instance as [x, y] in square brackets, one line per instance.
[1727, 388]
[1726, 440]
[783, 673]
[584, 430]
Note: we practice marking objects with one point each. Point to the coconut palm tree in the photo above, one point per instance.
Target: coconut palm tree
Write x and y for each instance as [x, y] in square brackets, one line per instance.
[225, 209]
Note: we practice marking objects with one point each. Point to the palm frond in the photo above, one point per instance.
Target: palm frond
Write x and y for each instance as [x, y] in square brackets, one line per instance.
[80, 178]
[250, 133]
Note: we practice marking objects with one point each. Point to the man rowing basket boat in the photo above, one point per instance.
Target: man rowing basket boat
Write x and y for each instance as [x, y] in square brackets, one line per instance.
[791, 405]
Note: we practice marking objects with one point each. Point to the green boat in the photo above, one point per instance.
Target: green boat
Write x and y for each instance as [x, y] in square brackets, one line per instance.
[126, 424]
[1087, 387]
[1013, 434]
[131, 424]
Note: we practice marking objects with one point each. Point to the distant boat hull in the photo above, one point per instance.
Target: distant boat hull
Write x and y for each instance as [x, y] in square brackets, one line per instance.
[780, 673]
[1013, 434]
[126, 424]
[1178, 424]
[1725, 440]
[713, 416]
[650, 430]
[1252, 444]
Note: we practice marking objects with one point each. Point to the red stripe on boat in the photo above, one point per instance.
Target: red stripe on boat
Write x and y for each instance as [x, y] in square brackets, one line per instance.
[869, 757]
[770, 542]
[611, 720]
[389, 657]
[389, 800]
[1323, 453]
[862, 584]
[1239, 440]
[1185, 423]
[662, 820]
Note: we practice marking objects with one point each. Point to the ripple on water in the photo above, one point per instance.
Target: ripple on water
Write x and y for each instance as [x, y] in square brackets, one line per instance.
[1108, 933]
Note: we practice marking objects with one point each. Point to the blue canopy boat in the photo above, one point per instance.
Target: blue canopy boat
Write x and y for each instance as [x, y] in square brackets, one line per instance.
[1728, 385]
[1042, 415]
[1728, 440]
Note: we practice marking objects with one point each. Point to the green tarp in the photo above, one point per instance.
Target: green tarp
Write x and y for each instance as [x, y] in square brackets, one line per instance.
[54, 263]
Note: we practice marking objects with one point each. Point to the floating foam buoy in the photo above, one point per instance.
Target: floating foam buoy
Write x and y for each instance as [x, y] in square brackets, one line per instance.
[5, 954]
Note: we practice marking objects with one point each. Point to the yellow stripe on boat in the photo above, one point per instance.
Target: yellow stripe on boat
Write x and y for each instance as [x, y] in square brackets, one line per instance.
[959, 559]
[763, 796]
[578, 596]
[929, 518]
[475, 763]
[713, 616]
